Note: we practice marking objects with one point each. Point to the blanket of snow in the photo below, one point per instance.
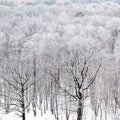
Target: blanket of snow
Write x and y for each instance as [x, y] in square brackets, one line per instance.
[29, 116]
[88, 115]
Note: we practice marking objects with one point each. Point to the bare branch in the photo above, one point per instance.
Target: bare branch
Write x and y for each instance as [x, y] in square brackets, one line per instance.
[92, 79]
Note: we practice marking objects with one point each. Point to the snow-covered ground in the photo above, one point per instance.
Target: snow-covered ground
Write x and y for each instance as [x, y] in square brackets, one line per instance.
[88, 115]
[29, 116]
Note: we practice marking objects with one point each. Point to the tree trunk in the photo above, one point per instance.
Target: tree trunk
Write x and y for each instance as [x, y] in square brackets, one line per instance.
[34, 89]
[51, 99]
[80, 110]
[57, 114]
[23, 103]
[34, 108]
[23, 116]
[79, 114]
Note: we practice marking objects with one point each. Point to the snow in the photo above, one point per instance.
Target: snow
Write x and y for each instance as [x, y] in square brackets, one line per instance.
[29, 116]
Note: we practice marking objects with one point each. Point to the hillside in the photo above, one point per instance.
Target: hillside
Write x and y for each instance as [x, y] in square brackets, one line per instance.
[58, 60]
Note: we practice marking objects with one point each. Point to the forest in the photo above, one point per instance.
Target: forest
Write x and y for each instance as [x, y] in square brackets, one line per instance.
[59, 60]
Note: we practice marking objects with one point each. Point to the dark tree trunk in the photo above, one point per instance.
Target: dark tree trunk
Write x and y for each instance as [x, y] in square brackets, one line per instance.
[23, 103]
[23, 116]
[79, 114]
[80, 110]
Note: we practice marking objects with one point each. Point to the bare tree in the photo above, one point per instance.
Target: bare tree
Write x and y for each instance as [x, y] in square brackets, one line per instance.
[82, 76]
[20, 82]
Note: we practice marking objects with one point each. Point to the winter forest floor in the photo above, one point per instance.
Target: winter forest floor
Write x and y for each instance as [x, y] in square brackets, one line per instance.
[88, 115]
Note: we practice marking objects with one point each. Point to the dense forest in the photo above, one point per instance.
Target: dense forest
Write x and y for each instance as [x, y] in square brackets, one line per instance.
[51, 2]
[62, 58]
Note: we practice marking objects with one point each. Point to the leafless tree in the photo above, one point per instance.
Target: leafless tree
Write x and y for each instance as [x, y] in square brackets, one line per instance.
[79, 69]
[19, 80]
